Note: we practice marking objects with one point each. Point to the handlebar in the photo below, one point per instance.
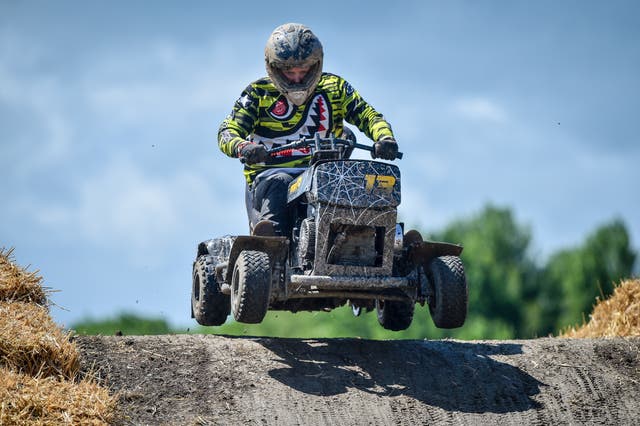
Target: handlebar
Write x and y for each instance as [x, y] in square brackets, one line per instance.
[318, 143]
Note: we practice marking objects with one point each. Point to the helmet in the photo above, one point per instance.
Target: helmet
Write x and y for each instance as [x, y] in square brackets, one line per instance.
[294, 45]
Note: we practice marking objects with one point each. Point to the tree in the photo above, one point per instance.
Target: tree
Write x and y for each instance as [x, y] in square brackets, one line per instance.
[500, 271]
[590, 271]
[126, 323]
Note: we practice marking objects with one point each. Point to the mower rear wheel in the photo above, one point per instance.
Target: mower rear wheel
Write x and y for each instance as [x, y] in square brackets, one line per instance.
[394, 315]
[251, 287]
[448, 303]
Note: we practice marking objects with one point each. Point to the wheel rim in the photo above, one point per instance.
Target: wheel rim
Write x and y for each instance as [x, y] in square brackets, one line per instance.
[235, 288]
[196, 288]
[380, 310]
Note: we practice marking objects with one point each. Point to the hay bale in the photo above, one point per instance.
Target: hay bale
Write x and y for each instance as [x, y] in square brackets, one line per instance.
[18, 284]
[619, 315]
[27, 400]
[39, 364]
[30, 342]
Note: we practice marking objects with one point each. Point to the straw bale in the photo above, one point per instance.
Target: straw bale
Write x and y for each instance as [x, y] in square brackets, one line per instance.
[32, 343]
[18, 284]
[25, 400]
[617, 316]
[39, 364]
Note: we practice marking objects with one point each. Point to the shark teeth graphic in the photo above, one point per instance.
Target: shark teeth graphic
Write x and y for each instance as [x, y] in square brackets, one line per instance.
[317, 119]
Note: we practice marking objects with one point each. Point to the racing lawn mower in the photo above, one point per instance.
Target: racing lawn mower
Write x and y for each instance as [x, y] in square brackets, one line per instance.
[344, 247]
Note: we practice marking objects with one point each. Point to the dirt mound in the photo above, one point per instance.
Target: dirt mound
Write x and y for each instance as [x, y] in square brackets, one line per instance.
[206, 379]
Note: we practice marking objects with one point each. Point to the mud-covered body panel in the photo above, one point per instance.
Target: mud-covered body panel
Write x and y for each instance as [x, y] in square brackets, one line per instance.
[356, 184]
[218, 248]
[329, 216]
[349, 183]
[300, 185]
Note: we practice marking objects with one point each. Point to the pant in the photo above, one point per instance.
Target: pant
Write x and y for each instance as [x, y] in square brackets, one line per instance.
[266, 199]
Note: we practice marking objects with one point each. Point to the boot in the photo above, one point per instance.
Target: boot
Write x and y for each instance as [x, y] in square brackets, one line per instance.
[264, 228]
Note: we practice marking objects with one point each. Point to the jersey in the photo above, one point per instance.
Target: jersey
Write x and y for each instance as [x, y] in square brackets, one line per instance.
[263, 115]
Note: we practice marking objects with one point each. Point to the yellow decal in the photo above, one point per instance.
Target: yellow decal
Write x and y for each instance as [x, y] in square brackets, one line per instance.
[293, 187]
[381, 182]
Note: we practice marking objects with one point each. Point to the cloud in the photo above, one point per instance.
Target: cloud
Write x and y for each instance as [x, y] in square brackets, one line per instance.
[33, 103]
[75, 175]
[162, 80]
[125, 206]
[479, 109]
[119, 203]
[53, 112]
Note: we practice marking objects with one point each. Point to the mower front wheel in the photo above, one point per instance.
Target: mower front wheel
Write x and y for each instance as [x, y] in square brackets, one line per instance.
[251, 287]
[208, 305]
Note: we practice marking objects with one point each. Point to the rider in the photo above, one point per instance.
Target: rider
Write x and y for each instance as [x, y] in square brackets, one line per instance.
[296, 100]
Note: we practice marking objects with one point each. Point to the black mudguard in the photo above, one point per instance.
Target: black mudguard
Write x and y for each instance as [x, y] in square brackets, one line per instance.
[276, 247]
[421, 253]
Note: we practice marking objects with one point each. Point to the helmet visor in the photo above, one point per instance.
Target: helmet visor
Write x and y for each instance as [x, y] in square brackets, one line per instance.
[298, 77]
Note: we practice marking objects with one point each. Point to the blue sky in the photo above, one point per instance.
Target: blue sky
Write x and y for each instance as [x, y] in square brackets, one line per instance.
[109, 111]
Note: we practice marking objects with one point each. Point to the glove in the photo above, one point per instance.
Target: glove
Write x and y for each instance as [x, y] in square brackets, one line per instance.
[253, 153]
[387, 149]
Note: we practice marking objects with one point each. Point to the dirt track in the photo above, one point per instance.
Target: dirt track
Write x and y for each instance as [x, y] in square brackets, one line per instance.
[205, 379]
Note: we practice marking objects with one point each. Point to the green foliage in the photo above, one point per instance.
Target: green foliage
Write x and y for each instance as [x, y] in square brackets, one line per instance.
[500, 271]
[125, 323]
[581, 274]
[342, 323]
[509, 288]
